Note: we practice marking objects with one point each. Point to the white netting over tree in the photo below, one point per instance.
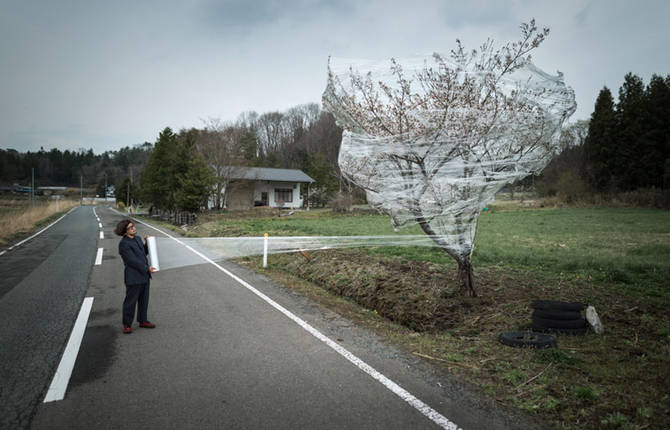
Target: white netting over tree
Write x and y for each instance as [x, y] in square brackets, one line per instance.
[431, 140]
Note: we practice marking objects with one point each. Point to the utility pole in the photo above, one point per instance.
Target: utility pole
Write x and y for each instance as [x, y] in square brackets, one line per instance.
[131, 181]
[105, 191]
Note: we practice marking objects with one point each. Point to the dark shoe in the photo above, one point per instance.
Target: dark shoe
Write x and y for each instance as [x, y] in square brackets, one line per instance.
[127, 329]
[147, 324]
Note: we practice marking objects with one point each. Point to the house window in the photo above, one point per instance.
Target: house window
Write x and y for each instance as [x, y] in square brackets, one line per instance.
[283, 195]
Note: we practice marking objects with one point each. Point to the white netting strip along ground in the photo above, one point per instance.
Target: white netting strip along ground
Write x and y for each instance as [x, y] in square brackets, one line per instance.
[173, 254]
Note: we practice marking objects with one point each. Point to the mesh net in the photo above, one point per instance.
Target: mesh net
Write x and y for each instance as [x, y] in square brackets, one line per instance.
[431, 141]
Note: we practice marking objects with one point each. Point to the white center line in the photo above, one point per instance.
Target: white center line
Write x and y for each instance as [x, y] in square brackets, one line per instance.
[100, 225]
[98, 258]
[102, 235]
[62, 377]
[426, 410]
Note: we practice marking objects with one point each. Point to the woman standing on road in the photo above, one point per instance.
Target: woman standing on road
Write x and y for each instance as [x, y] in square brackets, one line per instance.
[137, 274]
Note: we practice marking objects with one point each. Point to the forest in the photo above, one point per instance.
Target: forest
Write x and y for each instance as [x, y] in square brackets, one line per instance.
[623, 148]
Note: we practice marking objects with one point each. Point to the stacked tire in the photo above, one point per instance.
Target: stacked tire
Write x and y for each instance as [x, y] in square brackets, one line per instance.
[551, 316]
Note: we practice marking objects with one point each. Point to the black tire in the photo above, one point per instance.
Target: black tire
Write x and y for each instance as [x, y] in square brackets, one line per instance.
[557, 315]
[527, 339]
[546, 323]
[555, 305]
[562, 331]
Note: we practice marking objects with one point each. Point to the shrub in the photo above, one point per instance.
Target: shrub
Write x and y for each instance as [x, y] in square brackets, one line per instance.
[570, 187]
[319, 196]
[646, 197]
[342, 202]
[545, 188]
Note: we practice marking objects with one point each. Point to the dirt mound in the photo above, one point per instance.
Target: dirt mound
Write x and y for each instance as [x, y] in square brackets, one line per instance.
[421, 296]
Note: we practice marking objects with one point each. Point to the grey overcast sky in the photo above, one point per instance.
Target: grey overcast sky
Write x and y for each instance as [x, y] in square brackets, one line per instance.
[107, 74]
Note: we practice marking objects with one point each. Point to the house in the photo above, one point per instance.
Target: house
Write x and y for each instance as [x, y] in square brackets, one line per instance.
[260, 186]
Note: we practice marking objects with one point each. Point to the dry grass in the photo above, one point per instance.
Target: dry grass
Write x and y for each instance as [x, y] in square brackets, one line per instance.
[614, 259]
[615, 381]
[18, 218]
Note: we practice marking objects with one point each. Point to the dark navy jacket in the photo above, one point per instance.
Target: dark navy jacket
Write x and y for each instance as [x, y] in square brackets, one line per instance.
[134, 254]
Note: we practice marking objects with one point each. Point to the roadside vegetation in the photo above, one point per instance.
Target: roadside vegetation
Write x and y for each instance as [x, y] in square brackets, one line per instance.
[19, 218]
[616, 259]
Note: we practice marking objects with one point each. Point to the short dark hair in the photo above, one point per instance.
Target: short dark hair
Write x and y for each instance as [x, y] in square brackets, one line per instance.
[122, 226]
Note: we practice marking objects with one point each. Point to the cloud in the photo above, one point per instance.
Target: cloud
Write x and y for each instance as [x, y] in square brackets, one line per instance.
[460, 14]
[124, 70]
[243, 17]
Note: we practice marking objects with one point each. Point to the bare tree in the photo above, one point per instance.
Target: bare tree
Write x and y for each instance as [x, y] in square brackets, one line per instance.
[221, 146]
[271, 130]
[432, 140]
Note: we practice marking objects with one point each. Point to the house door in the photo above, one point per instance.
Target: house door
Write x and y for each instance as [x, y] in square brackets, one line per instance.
[264, 198]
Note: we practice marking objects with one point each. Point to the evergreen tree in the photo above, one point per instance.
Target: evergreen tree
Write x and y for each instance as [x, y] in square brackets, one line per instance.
[159, 174]
[599, 166]
[631, 145]
[193, 177]
[174, 177]
[657, 131]
[195, 185]
[126, 192]
[248, 146]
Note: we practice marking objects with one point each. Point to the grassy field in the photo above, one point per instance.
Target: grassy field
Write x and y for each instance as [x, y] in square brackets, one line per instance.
[18, 217]
[615, 259]
[627, 248]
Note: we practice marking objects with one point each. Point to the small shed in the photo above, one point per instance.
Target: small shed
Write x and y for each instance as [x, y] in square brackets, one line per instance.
[262, 186]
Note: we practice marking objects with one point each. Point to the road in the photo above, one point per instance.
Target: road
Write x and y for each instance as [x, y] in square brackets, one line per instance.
[231, 349]
[42, 285]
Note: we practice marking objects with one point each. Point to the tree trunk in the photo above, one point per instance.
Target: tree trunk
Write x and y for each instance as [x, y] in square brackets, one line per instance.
[466, 276]
[466, 279]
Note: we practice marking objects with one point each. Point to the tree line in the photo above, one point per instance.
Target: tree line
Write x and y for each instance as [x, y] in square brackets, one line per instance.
[72, 168]
[625, 146]
[188, 168]
[180, 170]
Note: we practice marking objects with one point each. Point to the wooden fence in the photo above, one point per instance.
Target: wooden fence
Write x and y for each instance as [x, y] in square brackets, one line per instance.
[176, 218]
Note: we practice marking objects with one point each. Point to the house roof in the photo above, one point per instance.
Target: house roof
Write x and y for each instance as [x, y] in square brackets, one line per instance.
[268, 174]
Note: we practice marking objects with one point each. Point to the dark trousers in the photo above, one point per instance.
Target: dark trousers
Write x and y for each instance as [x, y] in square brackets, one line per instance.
[136, 295]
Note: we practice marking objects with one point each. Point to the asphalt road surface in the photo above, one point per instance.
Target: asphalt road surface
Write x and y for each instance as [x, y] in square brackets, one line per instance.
[42, 285]
[226, 353]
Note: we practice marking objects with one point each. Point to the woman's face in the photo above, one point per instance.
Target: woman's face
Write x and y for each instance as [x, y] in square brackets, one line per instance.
[131, 230]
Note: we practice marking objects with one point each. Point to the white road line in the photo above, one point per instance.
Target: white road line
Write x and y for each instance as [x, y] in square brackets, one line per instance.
[100, 225]
[62, 377]
[39, 232]
[426, 410]
[102, 235]
[98, 258]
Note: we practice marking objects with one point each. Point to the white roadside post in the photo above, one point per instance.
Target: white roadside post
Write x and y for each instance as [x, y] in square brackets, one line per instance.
[265, 251]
